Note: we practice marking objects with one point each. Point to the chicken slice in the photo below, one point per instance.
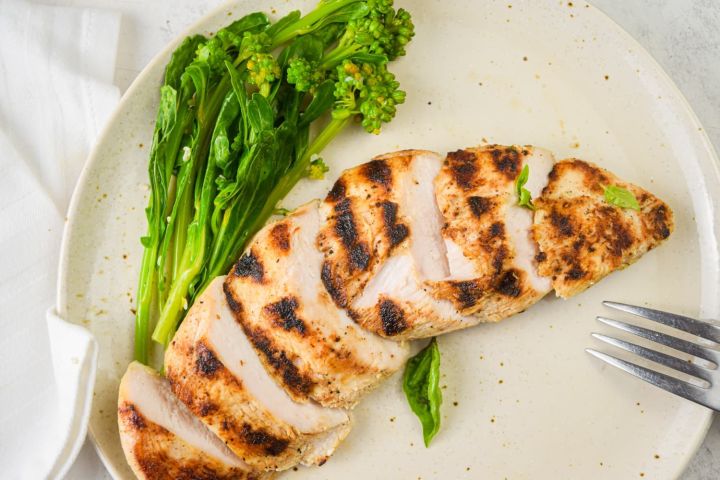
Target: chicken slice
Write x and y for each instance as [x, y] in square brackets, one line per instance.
[493, 271]
[162, 439]
[364, 225]
[396, 302]
[310, 346]
[582, 237]
[213, 369]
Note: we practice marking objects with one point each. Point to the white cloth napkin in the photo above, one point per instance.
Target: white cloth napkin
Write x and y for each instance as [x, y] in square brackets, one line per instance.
[56, 90]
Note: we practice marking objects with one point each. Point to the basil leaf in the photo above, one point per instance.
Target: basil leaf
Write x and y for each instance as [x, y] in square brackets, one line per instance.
[524, 197]
[620, 197]
[421, 383]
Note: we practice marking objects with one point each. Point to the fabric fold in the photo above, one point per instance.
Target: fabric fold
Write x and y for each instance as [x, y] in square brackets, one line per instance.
[56, 71]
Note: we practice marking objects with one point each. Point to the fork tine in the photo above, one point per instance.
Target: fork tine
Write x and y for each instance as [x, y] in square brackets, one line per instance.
[666, 382]
[667, 340]
[686, 324]
[658, 357]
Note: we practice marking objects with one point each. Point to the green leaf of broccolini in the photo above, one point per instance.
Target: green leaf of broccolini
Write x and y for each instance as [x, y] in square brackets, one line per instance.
[421, 383]
[168, 109]
[252, 22]
[180, 58]
[322, 101]
[284, 22]
[260, 114]
[620, 197]
[524, 196]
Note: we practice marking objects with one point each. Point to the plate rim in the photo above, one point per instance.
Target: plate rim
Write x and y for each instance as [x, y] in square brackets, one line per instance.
[92, 158]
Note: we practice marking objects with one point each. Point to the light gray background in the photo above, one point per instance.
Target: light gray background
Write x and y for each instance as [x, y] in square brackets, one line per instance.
[683, 35]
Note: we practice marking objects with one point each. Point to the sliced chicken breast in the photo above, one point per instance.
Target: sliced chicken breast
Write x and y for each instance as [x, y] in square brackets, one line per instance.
[309, 345]
[491, 254]
[162, 439]
[387, 208]
[582, 237]
[214, 370]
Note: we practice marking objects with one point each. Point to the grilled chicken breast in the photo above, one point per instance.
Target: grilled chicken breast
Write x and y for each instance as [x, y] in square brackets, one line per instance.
[493, 271]
[309, 345]
[213, 369]
[582, 237]
[315, 312]
[162, 439]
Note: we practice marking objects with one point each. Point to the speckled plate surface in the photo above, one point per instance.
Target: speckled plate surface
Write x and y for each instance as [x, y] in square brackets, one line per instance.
[522, 399]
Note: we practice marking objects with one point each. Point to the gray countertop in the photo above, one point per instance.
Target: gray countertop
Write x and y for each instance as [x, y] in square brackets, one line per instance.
[683, 35]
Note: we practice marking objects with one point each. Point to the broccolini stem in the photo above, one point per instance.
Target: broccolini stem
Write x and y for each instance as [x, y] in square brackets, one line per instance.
[194, 253]
[305, 24]
[144, 303]
[336, 56]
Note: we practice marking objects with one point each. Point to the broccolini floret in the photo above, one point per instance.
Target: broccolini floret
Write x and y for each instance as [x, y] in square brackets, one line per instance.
[263, 70]
[304, 74]
[317, 169]
[368, 89]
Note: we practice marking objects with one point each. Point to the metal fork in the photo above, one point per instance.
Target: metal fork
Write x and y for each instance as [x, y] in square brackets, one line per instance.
[707, 371]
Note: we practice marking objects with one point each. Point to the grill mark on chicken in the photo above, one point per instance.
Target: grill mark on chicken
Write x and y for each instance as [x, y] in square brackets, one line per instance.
[280, 235]
[659, 220]
[283, 314]
[468, 292]
[392, 318]
[497, 229]
[378, 172]
[345, 223]
[575, 273]
[621, 239]
[206, 363]
[234, 305]
[207, 408]
[333, 285]
[345, 229]
[562, 223]
[396, 232]
[509, 284]
[278, 360]
[270, 444]
[507, 161]
[593, 177]
[337, 192]
[463, 167]
[250, 266]
[131, 417]
[479, 205]
[499, 258]
[359, 257]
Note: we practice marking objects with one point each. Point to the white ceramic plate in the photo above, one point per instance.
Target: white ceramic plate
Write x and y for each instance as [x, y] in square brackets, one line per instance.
[522, 398]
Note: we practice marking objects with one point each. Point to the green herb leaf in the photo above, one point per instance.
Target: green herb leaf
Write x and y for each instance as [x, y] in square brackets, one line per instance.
[421, 384]
[620, 197]
[524, 197]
